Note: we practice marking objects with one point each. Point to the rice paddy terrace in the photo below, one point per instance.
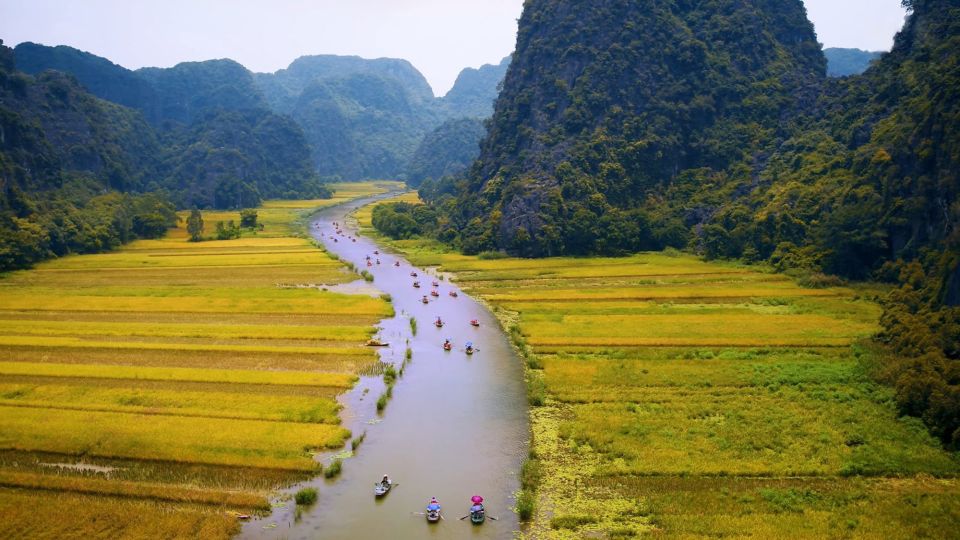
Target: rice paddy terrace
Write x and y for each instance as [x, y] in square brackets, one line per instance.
[160, 390]
[690, 399]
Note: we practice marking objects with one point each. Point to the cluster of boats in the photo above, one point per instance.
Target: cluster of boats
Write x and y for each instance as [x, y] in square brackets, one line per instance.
[433, 513]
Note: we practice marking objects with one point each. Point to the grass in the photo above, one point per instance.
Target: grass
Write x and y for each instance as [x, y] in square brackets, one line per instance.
[682, 398]
[203, 375]
[333, 470]
[306, 496]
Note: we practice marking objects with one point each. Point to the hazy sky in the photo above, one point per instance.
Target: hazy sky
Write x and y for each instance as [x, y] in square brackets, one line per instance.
[440, 37]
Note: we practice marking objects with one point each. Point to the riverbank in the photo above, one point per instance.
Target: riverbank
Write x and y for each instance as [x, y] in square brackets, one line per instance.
[689, 399]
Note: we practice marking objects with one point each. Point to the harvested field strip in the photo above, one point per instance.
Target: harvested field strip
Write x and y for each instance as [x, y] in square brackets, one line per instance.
[275, 391]
[316, 302]
[234, 376]
[81, 343]
[316, 320]
[252, 361]
[27, 514]
[218, 331]
[656, 293]
[250, 443]
[181, 402]
[134, 490]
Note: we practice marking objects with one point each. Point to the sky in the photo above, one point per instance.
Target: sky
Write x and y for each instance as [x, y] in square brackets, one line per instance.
[439, 37]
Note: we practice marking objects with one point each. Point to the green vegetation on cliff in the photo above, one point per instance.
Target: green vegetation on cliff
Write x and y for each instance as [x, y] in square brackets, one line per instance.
[711, 126]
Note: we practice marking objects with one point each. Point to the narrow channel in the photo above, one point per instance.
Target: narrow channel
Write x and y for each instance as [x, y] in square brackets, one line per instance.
[456, 426]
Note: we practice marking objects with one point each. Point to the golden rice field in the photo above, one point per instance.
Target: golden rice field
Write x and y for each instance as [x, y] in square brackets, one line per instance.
[159, 390]
[691, 399]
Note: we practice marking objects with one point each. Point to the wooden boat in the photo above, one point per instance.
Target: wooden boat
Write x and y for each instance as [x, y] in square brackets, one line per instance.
[380, 489]
[435, 284]
[433, 516]
[438, 323]
[434, 293]
[478, 516]
[454, 294]
[469, 350]
[474, 322]
[447, 346]
[377, 343]
[416, 284]
[413, 274]
[425, 300]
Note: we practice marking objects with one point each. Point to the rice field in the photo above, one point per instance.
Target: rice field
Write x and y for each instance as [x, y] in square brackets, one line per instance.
[160, 390]
[690, 399]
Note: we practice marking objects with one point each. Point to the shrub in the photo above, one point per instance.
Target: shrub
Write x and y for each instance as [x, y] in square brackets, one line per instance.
[382, 402]
[525, 505]
[306, 496]
[334, 469]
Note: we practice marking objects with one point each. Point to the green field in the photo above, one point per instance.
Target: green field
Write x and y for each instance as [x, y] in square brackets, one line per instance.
[158, 390]
[687, 399]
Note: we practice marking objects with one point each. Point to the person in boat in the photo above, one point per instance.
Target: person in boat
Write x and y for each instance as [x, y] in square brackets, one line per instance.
[385, 482]
[434, 505]
[469, 346]
[439, 322]
[447, 345]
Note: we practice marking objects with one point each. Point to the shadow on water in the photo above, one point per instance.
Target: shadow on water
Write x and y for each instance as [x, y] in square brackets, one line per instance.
[456, 425]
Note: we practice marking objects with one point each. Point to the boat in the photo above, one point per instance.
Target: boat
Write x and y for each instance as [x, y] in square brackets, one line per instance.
[434, 293]
[416, 284]
[469, 349]
[435, 284]
[454, 294]
[377, 343]
[425, 300]
[474, 322]
[413, 274]
[382, 488]
[433, 511]
[447, 346]
[438, 323]
[396, 263]
[376, 252]
[477, 516]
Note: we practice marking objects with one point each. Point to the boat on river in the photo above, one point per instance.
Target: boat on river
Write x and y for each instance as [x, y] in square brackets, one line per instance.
[382, 488]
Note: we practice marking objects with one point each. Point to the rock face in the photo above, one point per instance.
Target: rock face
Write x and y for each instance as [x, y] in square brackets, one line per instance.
[606, 100]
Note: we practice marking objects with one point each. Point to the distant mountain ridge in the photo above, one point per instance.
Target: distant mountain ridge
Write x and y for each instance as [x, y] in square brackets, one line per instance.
[361, 118]
[844, 62]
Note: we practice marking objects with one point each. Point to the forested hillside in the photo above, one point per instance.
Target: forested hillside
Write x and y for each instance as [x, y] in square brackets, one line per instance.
[475, 91]
[446, 151]
[626, 126]
[218, 145]
[64, 157]
[366, 118]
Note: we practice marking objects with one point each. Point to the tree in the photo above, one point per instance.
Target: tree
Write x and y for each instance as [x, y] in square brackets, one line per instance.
[248, 218]
[195, 226]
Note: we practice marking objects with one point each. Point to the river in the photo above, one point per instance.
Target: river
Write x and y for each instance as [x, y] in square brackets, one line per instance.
[456, 425]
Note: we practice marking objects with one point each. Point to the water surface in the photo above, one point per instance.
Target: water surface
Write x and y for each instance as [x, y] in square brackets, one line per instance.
[456, 426]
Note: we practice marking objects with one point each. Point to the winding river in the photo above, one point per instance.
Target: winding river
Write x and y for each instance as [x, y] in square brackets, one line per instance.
[456, 425]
